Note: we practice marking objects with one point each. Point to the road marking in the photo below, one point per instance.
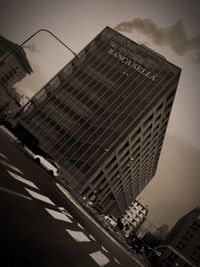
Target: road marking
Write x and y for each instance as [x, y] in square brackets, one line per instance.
[14, 193]
[117, 261]
[92, 238]
[3, 156]
[78, 236]
[58, 215]
[104, 249]
[100, 258]
[12, 167]
[25, 181]
[67, 194]
[80, 226]
[63, 210]
[39, 196]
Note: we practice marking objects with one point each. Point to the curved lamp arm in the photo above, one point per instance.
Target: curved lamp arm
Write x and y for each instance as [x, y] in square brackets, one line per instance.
[45, 30]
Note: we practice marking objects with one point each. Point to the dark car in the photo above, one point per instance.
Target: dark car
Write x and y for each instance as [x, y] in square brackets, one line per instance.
[135, 242]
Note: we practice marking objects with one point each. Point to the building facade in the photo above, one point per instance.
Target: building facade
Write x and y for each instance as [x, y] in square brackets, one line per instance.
[103, 118]
[13, 63]
[134, 216]
[182, 245]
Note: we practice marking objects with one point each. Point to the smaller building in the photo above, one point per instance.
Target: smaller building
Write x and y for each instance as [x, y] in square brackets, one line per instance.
[9, 102]
[134, 216]
[182, 245]
[111, 220]
[14, 64]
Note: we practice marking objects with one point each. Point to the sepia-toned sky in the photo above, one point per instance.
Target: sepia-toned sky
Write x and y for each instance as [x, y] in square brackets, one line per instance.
[169, 27]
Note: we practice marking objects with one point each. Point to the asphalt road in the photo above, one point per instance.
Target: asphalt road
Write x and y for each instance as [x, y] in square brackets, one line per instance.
[39, 226]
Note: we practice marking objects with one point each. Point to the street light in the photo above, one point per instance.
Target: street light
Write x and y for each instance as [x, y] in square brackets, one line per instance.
[52, 34]
[58, 39]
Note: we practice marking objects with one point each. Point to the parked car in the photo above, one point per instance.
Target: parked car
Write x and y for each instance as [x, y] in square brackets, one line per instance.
[48, 164]
[110, 220]
[153, 254]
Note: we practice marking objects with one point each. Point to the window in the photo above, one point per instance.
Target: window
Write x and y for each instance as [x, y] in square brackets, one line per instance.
[172, 257]
[195, 256]
[86, 191]
[110, 163]
[171, 95]
[195, 226]
[97, 178]
[158, 118]
[187, 236]
[123, 148]
[136, 134]
[136, 142]
[148, 119]
[180, 246]
[146, 138]
[160, 107]
[148, 129]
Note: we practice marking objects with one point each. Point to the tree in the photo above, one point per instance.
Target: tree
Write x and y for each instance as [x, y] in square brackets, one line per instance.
[120, 224]
[151, 240]
[162, 231]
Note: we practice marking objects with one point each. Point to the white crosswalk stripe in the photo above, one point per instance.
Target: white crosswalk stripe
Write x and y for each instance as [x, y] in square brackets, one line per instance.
[39, 196]
[116, 261]
[58, 215]
[3, 156]
[14, 193]
[104, 249]
[12, 167]
[78, 236]
[99, 258]
[80, 226]
[25, 181]
[92, 238]
[63, 210]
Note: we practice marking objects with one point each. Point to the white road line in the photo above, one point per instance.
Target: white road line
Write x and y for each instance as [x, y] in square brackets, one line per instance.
[92, 238]
[63, 210]
[100, 258]
[104, 249]
[67, 194]
[78, 236]
[3, 156]
[25, 181]
[14, 193]
[12, 167]
[58, 215]
[40, 196]
[117, 261]
[81, 226]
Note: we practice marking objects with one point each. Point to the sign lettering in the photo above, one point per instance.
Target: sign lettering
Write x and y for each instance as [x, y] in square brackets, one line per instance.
[134, 65]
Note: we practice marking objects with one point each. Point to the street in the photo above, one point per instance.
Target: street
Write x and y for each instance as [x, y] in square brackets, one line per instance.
[40, 226]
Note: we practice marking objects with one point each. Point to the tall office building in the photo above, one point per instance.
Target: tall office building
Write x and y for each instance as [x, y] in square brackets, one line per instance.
[103, 118]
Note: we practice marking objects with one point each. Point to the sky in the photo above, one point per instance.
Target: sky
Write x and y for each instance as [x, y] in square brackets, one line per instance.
[170, 28]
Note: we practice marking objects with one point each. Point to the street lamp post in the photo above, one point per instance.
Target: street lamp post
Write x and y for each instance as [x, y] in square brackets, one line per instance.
[58, 39]
[52, 34]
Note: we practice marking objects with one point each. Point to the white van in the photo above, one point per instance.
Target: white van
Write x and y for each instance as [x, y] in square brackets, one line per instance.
[48, 164]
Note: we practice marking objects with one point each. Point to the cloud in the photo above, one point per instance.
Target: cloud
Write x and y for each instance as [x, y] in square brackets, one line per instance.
[32, 48]
[173, 36]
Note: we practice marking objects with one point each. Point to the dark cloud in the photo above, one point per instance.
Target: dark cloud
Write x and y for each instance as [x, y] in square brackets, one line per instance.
[173, 36]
